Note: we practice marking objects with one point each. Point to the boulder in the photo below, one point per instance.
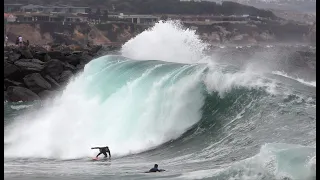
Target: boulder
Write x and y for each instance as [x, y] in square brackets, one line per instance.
[53, 68]
[16, 94]
[10, 70]
[30, 65]
[42, 56]
[85, 58]
[73, 59]
[46, 94]
[13, 57]
[55, 54]
[26, 54]
[38, 49]
[70, 67]
[65, 76]
[53, 82]
[8, 82]
[36, 83]
[80, 66]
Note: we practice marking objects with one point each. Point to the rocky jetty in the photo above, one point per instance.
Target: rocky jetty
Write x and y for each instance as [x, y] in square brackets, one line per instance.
[35, 73]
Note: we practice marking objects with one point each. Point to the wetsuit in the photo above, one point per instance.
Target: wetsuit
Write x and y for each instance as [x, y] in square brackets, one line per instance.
[103, 150]
[154, 170]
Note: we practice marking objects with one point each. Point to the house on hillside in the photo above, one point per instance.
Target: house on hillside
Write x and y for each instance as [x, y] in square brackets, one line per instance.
[44, 17]
[9, 17]
[12, 7]
[74, 18]
[140, 19]
[54, 9]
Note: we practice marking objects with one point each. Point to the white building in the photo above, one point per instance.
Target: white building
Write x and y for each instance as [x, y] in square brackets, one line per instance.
[10, 17]
[140, 19]
[54, 9]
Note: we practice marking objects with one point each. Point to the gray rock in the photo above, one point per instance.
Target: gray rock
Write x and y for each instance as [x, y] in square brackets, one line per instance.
[8, 82]
[53, 82]
[55, 54]
[46, 94]
[38, 49]
[43, 56]
[53, 68]
[68, 66]
[10, 69]
[25, 53]
[36, 83]
[80, 66]
[32, 65]
[65, 76]
[85, 58]
[16, 94]
[14, 57]
[73, 59]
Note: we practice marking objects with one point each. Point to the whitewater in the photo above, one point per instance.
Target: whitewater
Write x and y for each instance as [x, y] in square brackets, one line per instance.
[166, 98]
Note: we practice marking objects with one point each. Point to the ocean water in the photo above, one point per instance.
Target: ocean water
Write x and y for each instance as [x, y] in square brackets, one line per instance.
[165, 99]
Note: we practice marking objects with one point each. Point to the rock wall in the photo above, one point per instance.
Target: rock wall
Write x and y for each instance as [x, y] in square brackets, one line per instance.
[35, 73]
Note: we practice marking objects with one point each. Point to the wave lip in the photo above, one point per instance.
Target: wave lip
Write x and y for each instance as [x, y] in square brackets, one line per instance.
[166, 41]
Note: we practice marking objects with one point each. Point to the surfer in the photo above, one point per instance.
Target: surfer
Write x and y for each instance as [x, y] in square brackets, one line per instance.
[155, 169]
[104, 151]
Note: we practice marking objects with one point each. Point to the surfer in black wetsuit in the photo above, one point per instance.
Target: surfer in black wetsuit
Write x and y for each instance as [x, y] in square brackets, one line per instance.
[103, 150]
[155, 169]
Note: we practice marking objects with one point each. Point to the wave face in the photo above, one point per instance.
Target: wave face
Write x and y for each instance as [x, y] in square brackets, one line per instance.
[216, 120]
[129, 105]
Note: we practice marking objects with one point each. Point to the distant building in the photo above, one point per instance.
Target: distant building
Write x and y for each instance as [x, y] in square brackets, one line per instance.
[140, 19]
[44, 17]
[9, 17]
[54, 9]
[12, 7]
[90, 18]
[208, 18]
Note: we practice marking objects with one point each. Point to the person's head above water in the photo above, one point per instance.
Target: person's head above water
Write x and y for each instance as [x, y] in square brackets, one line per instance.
[156, 166]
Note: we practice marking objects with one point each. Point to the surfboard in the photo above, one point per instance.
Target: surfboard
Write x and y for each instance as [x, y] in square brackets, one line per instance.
[101, 159]
[160, 170]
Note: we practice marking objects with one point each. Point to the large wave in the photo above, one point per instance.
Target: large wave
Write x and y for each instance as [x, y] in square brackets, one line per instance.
[127, 105]
[135, 102]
